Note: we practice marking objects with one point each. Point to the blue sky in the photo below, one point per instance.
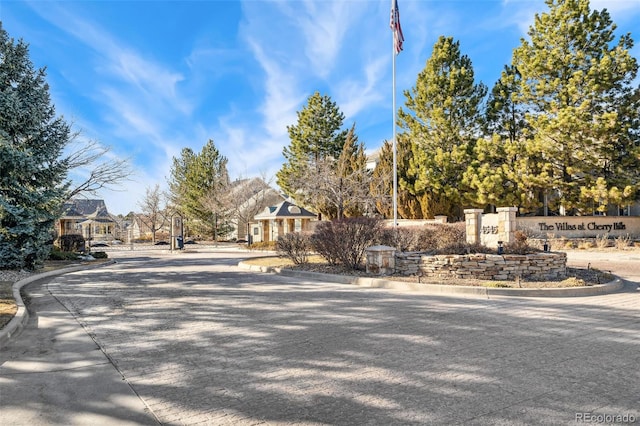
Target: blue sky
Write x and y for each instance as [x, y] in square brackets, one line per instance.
[148, 78]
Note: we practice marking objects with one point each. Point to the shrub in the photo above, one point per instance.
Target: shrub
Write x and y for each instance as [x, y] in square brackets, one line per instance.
[99, 255]
[466, 248]
[325, 242]
[602, 241]
[623, 241]
[450, 236]
[294, 246]
[71, 243]
[426, 239]
[62, 255]
[585, 245]
[434, 239]
[345, 240]
[402, 239]
[520, 245]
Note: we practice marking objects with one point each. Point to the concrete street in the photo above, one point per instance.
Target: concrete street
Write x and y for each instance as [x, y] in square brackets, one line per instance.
[190, 338]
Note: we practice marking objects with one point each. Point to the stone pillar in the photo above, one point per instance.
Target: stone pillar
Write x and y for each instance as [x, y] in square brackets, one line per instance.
[507, 224]
[473, 220]
[381, 260]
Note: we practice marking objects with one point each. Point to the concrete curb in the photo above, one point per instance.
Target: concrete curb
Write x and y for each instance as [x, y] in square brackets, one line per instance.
[19, 320]
[442, 289]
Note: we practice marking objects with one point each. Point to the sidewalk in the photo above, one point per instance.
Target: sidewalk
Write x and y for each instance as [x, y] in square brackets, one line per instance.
[55, 374]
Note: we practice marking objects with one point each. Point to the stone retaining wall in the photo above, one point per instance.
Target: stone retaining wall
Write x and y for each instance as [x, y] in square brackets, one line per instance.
[483, 266]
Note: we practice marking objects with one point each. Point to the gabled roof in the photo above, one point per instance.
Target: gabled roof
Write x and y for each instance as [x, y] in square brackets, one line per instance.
[89, 210]
[82, 207]
[284, 210]
[252, 193]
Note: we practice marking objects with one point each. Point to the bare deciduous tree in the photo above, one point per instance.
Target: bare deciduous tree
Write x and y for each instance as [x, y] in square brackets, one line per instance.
[212, 202]
[153, 207]
[98, 169]
[338, 187]
[245, 198]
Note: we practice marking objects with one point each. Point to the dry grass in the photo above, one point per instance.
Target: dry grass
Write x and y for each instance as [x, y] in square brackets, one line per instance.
[8, 306]
[281, 262]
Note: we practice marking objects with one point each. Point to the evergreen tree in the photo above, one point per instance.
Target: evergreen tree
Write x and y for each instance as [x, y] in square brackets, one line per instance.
[442, 121]
[197, 184]
[178, 181]
[339, 187]
[33, 178]
[504, 115]
[502, 172]
[351, 189]
[316, 137]
[577, 85]
[382, 182]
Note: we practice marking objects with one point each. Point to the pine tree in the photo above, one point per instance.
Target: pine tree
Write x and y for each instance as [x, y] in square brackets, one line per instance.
[502, 172]
[339, 187]
[33, 178]
[577, 85]
[316, 137]
[442, 121]
[504, 115]
[197, 185]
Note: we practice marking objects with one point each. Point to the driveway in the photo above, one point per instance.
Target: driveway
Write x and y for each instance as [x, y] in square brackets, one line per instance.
[625, 264]
[196, 340]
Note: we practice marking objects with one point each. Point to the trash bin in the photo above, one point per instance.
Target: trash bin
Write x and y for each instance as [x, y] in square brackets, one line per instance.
[180, 242]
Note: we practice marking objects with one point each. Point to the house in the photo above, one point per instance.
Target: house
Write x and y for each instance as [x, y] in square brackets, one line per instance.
[141, 227]
[279, 220]
[88, 218]
[246, 198]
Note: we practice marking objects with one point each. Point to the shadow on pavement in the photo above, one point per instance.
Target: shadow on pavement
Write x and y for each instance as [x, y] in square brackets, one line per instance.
[201, 341]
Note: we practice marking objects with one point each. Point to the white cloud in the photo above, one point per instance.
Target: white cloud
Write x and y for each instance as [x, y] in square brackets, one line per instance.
[323, 26]
[135, 86]
[281, 95]
[149, 79]
[357, 94]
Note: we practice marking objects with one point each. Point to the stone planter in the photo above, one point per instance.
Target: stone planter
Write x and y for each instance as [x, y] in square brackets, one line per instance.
[483, 266]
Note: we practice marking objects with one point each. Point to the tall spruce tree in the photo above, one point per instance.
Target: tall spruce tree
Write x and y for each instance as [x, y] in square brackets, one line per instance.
[442, 119]
[197, 182]
[577, 85]
[316, 137]
[33, 177]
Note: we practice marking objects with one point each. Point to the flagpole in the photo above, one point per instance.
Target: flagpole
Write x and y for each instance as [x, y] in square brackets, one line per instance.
[395, 160]
[397, 39]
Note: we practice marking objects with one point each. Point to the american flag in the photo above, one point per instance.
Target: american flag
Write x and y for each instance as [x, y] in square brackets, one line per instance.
[398, 38]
